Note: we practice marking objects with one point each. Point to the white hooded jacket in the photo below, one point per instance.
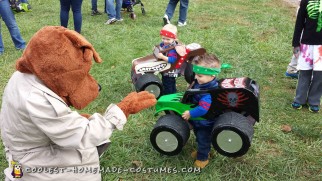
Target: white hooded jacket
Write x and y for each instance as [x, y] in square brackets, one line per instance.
[47, 138]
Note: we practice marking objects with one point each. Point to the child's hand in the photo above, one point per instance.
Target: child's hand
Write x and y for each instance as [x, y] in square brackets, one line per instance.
[296, 51]
[186, 115]
[160, 56]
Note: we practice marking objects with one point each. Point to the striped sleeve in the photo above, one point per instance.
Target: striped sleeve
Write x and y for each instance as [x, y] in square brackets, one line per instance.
[202, 108]
[172, 56]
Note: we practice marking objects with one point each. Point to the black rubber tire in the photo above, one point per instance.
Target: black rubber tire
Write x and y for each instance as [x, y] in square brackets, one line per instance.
[173, 126]
[232, 134]
[147, 80]
[189, 75]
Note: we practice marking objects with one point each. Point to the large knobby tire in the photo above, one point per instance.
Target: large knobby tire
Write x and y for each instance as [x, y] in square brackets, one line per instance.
[232, 134]
[170, 134]
[151, 83]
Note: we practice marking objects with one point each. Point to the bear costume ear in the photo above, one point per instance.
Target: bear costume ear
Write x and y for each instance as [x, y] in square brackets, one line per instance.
[62, 59]
[81, 42]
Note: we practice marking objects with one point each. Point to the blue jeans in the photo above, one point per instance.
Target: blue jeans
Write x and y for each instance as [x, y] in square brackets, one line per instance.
[169, 85]
[77, 13]
[113, 11]
[10, 21]
[182, 12]
[203, 137]
[94, 4]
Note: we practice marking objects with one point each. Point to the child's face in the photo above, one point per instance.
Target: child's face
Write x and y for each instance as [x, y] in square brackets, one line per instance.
[167, 40]
[203, 79]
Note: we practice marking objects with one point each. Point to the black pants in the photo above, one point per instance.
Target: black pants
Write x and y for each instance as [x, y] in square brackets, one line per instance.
[309, 87]
[169, 85]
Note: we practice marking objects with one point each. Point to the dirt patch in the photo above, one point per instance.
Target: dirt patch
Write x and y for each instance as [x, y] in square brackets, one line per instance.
[293, 3]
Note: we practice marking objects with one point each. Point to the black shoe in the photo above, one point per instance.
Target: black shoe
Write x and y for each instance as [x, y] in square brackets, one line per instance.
[96, 12]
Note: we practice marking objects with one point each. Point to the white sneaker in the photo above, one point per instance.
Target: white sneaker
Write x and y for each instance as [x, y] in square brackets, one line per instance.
[110, 21]
[119, 20]
[182, 24]
[166, 20]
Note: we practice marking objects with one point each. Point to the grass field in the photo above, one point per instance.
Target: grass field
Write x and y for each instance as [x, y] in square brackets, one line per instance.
[254, 36]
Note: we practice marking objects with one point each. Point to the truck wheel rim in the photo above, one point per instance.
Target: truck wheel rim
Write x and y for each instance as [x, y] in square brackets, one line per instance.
[229, 141]
[153, 89]
[166, 141]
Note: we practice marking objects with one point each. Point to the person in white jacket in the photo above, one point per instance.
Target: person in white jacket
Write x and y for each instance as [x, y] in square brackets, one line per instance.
[40, 132]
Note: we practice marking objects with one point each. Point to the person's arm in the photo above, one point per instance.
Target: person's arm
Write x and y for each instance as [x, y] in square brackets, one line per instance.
[202, 108]
[162, 57]
[68, 128]
[171, 58]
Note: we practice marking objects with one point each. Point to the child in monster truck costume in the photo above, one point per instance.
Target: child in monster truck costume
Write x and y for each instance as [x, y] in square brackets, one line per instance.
[206, 68]
[169, 41]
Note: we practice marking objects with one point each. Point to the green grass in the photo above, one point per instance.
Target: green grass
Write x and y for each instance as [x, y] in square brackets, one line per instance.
[252, 35]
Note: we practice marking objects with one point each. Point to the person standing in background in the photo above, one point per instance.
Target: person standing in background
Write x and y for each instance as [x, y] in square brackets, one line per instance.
[76, 6]
[307, 46]
[113, 12]
[10, 21]
[94, 8]
[182, 12]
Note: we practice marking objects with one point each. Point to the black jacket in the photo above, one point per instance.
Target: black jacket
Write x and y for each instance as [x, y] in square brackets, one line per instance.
[308, 22]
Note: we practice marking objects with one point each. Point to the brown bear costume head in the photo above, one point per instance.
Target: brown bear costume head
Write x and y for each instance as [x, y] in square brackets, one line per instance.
[62, 59]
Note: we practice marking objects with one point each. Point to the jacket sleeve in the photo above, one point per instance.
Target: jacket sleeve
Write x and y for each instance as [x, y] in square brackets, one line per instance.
[172, 56]
[202, 108]
[299, 24]
[68, 128]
